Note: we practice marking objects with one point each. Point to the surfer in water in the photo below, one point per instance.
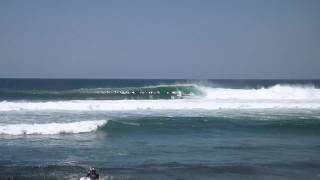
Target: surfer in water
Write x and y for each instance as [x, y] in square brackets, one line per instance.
[92, 174]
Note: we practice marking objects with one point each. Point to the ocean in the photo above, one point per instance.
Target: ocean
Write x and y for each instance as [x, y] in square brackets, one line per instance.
[160, 129]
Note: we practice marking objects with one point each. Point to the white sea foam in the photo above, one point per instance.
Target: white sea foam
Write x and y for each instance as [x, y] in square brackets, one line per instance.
[277, 92]
[52, 128]
[129, 105]
[278, 96]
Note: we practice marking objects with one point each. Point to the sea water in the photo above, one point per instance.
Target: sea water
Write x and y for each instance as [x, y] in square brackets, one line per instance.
[160, 129]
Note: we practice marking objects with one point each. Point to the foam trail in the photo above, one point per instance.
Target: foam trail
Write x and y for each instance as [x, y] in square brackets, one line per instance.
[52, 128]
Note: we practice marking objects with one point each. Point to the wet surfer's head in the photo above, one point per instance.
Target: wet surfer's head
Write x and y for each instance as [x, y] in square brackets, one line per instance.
[92, 169]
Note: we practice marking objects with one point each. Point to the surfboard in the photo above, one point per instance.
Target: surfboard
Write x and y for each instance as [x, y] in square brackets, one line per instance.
[84, 178]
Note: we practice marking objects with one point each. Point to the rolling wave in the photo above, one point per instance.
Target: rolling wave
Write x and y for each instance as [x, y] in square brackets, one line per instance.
[165, 125]
[177, 91]
[52, 128]
[206, 98]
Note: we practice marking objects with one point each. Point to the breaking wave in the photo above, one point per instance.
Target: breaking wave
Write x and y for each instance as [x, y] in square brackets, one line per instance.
[177, 91]
[209, 98]
[52, 128]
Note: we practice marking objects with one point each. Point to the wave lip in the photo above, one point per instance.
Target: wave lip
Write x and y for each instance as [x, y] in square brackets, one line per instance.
[177, 91]
[52, 128]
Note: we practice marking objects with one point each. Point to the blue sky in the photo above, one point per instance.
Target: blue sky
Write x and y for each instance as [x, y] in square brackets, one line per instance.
[204, 39]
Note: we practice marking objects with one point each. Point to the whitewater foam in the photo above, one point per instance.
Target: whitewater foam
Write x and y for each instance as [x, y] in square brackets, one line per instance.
[129, 105]
[52, 128]
[277, 92]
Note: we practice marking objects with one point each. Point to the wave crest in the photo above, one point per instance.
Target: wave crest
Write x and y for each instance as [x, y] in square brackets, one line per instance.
[52, 128]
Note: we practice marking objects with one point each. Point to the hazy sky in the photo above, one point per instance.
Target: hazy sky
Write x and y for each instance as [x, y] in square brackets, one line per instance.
[160, 39]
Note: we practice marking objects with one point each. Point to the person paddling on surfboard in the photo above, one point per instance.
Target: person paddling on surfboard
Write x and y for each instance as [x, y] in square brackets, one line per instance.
[92, 174]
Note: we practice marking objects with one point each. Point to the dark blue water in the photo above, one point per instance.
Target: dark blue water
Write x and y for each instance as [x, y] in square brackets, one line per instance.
[160, 129]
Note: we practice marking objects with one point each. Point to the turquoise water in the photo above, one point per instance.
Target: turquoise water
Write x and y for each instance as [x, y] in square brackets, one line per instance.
[160, 129]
